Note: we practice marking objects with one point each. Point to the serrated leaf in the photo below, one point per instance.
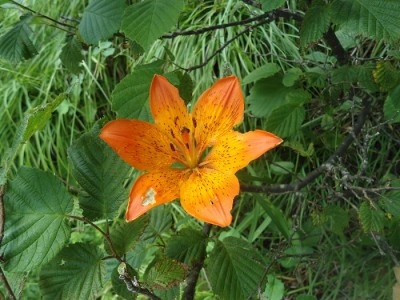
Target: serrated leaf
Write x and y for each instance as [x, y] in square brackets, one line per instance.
[286, 120]
[391, 108]
[160, 221]
[377, 19]
[36, 203]
[71, 55]
[274, 289]
[101, 174]
[391, 202]
[266, 95]
[265, 71]
[315, 23]
[386, 75]
[76, 273]
[146, 21]
[125, 236]
[187, 246]
[359, 74]
[278, 219]
[33, 120]
[371, 219]
[164, 273]
[16, 45]
[268, 5]
[234, 269]
[130, 96]
[101, 19]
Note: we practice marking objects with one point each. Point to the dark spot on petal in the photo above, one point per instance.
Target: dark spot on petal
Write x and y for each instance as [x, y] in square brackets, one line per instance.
[194, 122]
[176, 121]
[185, 130]
[172, 133]
[172, 146]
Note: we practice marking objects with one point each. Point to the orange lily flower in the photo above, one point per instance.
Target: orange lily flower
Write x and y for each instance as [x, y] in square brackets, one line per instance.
[206, 183]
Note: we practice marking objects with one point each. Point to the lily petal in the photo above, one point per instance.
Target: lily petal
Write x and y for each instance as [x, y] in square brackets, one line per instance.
[208, 195]
[168, 108]
[236, 150]
[151, 190]
[140, 144]
[217, 111]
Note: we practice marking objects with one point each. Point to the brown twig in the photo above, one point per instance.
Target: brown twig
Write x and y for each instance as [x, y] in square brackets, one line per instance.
[41, 15]
[337, 49]
[326, 166]
[193, 276]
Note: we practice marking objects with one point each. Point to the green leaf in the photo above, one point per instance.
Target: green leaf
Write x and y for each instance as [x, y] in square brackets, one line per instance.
[164, 273]
[391, 202]
[101, 174]
[386, 75]
[371, 219]
[144, 22]
[337, 218]
[71, 55]
[266, 95]
[305, 297]
[160, 221]
[36, 203]
[358, 74]
[234, 269]
[377, 19]
[315, 23]
[278, 219]
[187, 246]
[391, 107]
[294, 256]
[282, 167]
[274, 289]
[268, 5]
[16, 45]
[265, 71]
[125, 235]
[291, 76]
[76, 273]
[286, 120]
[101, 19]
[33, 120]
[131, 95]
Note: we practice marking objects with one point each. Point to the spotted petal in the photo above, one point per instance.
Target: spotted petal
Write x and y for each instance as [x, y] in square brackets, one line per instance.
[217, 111]
[140, 144]
[236, 150]
[208, 195]
[153, 189]
[168, 109]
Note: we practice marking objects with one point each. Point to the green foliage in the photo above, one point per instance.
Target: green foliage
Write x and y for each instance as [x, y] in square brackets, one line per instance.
[164, 273]
[371, 218]
[274, 289]
[316, 22]
[101, 18]
[265, 71]
[371, 18]
[101, 174]
[187, 246]
[71, 55]
[76, 273]
[36, 229]
[234, 269]
[125, 236]
[17, 45]
[146, 21]
[130, 96]
[268, 5]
